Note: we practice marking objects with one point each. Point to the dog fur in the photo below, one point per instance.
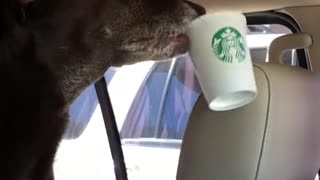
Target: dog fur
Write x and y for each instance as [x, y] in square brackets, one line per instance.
[56, 48]
[31, 104]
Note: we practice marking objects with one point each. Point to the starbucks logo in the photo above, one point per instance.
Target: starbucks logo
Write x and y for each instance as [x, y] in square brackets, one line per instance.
[228, 45]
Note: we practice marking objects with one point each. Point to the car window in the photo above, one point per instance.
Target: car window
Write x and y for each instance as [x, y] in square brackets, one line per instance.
[152, 102]
[83, 108]
[163, 103]
[260, 37]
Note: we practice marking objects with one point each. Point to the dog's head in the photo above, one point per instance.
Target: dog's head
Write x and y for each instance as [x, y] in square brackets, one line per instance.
[150, 29]
[135, 30]
[81, 39]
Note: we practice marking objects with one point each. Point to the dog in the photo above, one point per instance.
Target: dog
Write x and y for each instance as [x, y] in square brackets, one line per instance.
[51, 50]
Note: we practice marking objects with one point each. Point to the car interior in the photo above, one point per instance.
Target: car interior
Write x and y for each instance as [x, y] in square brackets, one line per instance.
[275, 137]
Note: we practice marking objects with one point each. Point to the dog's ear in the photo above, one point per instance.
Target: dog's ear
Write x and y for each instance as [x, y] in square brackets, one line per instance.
[41, 8]
[155, 7]
[22, 2]
[124, 1]
[9, 15]
[199, 9]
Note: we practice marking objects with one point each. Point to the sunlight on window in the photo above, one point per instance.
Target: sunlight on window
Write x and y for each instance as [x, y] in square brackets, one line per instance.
[87, 157]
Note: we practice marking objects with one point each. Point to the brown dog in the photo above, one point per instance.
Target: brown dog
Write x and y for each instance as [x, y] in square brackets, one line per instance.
[53, 49]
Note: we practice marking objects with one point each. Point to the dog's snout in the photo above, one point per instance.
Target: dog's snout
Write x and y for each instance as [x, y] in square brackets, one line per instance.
[199, 9]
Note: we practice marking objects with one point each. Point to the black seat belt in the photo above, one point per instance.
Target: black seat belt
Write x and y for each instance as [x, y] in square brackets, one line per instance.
[111, 129]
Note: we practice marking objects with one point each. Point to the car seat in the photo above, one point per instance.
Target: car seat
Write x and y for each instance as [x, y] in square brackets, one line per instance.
[276, 137]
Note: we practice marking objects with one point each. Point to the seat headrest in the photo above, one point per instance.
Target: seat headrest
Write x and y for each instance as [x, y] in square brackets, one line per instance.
[288, 42]
[275, 137]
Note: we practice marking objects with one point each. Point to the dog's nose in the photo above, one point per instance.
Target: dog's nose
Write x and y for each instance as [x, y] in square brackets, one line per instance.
[199, 9]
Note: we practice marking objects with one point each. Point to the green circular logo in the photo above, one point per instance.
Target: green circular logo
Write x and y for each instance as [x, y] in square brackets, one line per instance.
[228, 45]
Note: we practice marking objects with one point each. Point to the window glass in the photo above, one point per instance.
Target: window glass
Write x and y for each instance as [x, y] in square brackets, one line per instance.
[152, 102]
[260, 37]
[164, 102]
[87, 156]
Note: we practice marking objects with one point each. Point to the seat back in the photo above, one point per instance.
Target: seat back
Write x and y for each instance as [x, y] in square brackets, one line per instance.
[275, 137]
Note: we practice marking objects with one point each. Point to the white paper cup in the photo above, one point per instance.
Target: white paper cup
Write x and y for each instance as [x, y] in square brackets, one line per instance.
[220, 54]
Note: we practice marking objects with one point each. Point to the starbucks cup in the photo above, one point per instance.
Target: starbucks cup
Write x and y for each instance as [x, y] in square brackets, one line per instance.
[221, 56]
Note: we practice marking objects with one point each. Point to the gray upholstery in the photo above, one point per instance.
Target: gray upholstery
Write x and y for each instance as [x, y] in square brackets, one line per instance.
[276, 137]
